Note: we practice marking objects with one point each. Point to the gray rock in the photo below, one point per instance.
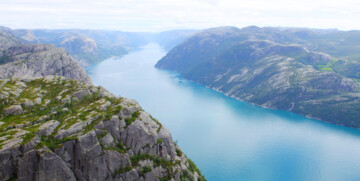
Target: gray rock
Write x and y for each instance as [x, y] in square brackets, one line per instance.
[13, 110]
[52, 167]
[27, 103]
[27, 166]
[8, 165]
[116, 160]
[81, 94]
[48, 127]
[30, 145]
[38, 100]
[107, 141]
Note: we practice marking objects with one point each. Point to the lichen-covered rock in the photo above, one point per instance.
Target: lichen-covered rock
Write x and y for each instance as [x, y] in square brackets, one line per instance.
[92, 136]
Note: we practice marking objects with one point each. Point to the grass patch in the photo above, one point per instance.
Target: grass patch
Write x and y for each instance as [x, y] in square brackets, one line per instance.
[120, 147]
[134, 116]
[178, 152]
[28, 137]
[52, 143]
[145, 169]
[122, 170]
[157, 122]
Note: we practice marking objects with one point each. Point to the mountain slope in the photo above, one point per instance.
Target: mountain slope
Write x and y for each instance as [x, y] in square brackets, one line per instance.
[40, 60]
[7, 40]
[266, 73]
[90, 46]
[54, 128]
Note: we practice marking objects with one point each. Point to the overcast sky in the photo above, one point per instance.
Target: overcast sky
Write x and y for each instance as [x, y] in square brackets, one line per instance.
[159, 15]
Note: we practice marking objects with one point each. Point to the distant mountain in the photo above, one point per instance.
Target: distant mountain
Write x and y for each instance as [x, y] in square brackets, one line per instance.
[169, 39]
[275, 68]
[7, 40]
[90, 46]
[36, 60]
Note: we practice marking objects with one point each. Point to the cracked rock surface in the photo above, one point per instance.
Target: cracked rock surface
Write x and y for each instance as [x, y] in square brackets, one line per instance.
[76, 131]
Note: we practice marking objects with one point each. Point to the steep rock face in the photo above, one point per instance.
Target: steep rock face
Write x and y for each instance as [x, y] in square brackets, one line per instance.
[241, 64]
[75, 131]
[40, 60]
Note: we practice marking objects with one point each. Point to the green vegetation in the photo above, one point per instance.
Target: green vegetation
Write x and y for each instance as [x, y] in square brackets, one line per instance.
[122, 170]
[120, 147]
[324, 68]
[157, 160]
[12, 178]
[134, 116]
[53, 143]
[145, 169]
[157, 122]
[71, 110]
[28, 137]
[178, 152]
[67, 113]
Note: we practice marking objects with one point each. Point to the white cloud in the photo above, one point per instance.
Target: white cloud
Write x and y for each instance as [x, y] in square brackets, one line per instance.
[157, 15]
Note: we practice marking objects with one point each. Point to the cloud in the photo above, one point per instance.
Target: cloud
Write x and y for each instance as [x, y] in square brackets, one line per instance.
[158, 15]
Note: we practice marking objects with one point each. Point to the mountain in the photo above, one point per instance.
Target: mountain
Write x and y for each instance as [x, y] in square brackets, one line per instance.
[55, 128]
[169, 39]
[7, 40]
[55, 125]
[89, 47]
[274, 68]
[36, 60]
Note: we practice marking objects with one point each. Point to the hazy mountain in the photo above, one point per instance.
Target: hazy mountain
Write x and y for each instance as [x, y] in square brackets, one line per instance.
[275, 68]
[169, 39]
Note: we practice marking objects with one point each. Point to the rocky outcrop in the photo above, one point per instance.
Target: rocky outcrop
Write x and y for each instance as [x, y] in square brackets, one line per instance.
[40, 60]
[75, 131]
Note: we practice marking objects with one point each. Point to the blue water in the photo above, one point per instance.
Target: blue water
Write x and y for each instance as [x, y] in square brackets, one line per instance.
[230, 139]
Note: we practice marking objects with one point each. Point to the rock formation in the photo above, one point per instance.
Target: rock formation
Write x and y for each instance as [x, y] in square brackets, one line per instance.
[55, 128]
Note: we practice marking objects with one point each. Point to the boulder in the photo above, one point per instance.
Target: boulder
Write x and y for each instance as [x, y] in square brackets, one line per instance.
[13, 110]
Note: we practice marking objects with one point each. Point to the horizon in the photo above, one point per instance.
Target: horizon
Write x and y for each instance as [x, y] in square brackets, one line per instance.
[167, 15]
[280, 27]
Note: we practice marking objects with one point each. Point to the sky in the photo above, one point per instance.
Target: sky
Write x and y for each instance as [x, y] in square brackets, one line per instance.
[160, 15]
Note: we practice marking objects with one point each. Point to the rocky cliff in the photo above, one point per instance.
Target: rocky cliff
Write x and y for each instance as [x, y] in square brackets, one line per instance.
[39, 60]
[54, 128]
[251, 65]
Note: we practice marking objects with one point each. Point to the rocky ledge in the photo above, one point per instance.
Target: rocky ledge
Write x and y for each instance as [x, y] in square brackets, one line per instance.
[55, 128]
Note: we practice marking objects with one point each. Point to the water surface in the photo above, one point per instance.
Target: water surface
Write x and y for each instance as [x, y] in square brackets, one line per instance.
[230, 139]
